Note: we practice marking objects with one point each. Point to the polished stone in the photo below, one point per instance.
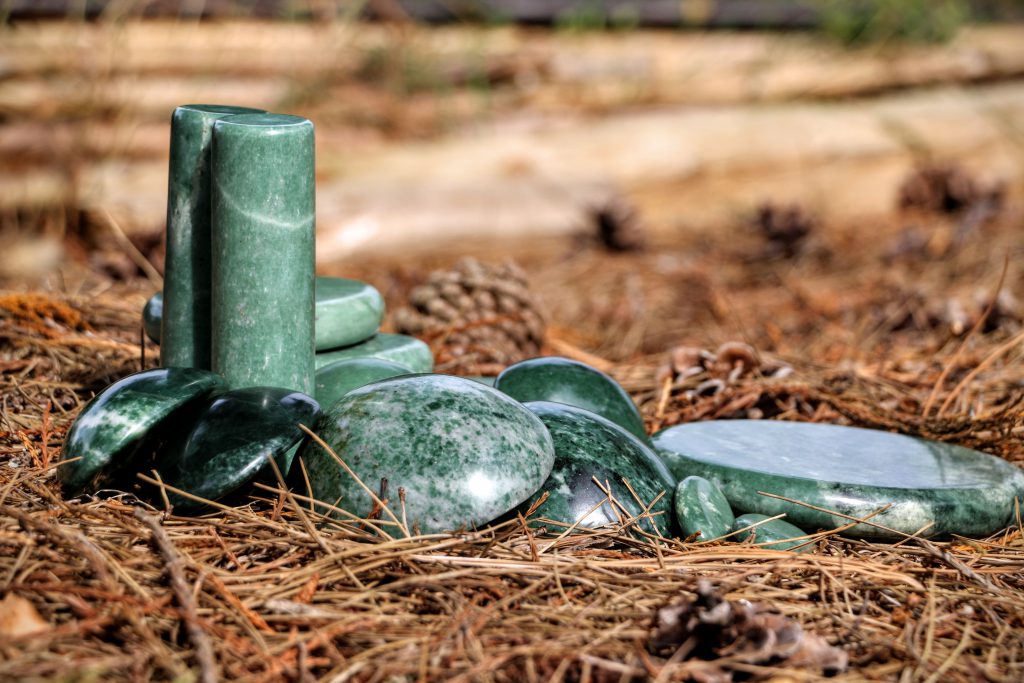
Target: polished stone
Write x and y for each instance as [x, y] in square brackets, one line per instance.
[589, 447]
[232, 438]
[701, 508]
[397, 348]
[263, 253]
[567, 381]
[114, 428]
[773, 535]
[848, 470]
[486, 380]
[464, 453]
[347, 312]
[187, 266]
[152, 314]
[337, 379]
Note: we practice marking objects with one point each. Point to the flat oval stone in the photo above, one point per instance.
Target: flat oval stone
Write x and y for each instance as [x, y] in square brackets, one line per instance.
[152, 314]
[397, 348]
[566, 381]
[231, 439]
[701, 508]
[337, 379]
[114, 427]
[347, 312]
[772, 535]
[463, 452]
[848, 470]
[588, 447]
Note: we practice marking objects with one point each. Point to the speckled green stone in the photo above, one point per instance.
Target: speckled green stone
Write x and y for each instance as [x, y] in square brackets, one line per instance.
[566, 381]
[263, 254]
[347, 312]
[852, 471]
[114, 427]
[772, 535]
[588, 447]
[397, 348]
[186, 340]
[337, 379]
[232, 438]
[152, 314]
[463, 452]
[702, 509]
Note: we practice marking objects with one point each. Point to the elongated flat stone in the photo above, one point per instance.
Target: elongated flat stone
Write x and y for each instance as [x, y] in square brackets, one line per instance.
[230, 441]
[152, 315]
[337, 379]
[701, 508]
[397, 348]
[263, 215]
[347, 312]
[773, 535]
[187, 270]
[848, 470]
[463, 453]
[114, 428]
[566, 381]
[589, 447]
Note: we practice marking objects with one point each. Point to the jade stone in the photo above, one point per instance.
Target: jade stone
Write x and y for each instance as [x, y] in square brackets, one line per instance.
[589, 447]
[337, 379]
[114, 428]
[701, 508]
[773, 535]
[152, 314]
[483, 379]
[232, 438]
[397, 348]
[463, 453]
[567, 381]
[263, 251]
[347, 312]
[848, 470]
[186, 339]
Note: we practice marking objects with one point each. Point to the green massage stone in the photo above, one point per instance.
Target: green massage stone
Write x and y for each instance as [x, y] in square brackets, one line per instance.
[397, 348]
[773, 535]
[152, 315]
[337, 379]
[702, 509]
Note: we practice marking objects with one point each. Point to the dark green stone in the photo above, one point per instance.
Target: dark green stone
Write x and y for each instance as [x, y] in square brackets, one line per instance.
[701, 508]
[152, 314]
[397, 348]
[566, 381]
[114, 428]
[589, 447]
[337, 379]
[464, 453]
[263, 211]
[852, 471]
[772, 535]
[232, 438]
[347, 312]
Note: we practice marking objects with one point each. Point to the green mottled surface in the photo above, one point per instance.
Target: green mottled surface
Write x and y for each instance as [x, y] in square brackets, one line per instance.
[587, 446]
[701, 508]
[347, 312]
[852, 471]
[232, 438]
[566, 381]
[463, 452]
[187, 264]
[115, 426]
[397, 348]
[771, 535]
[263, 253]
[152, 314]
[337, 379]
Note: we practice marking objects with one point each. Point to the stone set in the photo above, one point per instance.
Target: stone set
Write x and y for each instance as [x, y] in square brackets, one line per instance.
[259, 352]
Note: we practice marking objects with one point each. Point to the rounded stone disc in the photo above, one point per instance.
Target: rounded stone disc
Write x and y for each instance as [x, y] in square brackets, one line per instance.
[229, 442]
[848, 470]
[773, 534]
[397, 348]
[702, 509]
[114, 427]
[152, 315]
[347, 312]
[462, 452]
[337, 379]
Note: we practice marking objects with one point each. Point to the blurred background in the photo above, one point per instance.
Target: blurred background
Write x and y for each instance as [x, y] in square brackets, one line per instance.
[665, 171]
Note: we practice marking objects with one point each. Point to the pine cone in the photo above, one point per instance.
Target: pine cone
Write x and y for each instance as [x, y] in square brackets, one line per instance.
[784, 228]
[616, 224]
[945, 188]
[478, 317]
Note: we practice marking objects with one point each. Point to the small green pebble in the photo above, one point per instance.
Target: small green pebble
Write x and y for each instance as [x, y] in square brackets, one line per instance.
[770, 532]
[701, 508]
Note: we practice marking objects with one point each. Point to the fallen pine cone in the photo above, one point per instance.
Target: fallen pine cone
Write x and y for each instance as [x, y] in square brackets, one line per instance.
[946, 188]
